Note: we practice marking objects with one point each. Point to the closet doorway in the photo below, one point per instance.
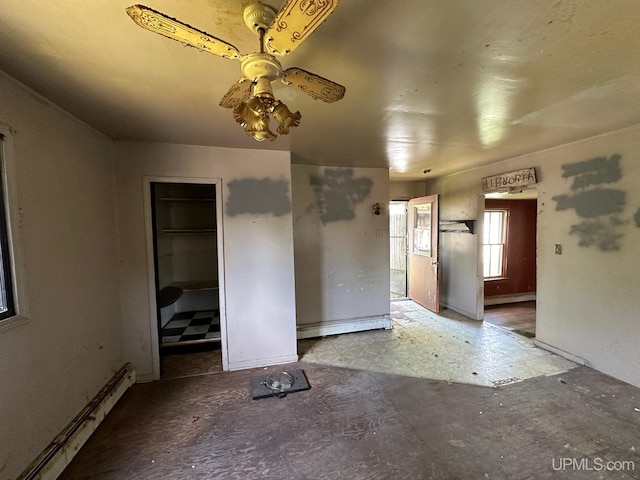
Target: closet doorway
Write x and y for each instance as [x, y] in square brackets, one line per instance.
[186, 239]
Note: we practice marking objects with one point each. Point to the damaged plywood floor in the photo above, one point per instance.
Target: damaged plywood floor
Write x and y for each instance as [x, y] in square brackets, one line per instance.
[361, 424]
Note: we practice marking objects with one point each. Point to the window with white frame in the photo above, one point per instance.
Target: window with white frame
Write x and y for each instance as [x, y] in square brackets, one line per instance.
[7, 298]
[494, 243]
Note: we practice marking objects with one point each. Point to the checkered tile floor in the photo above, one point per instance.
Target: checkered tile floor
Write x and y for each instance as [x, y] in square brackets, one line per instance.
[192, 327]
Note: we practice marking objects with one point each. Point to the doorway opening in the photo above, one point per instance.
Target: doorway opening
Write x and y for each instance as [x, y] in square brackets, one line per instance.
[186, 270]
[509, 258]
[398, 239]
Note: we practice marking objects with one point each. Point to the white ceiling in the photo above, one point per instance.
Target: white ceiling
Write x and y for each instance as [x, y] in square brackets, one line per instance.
[431, 84]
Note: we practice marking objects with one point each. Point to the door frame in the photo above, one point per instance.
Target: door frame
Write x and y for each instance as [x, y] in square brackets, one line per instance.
[433, 270]
[406, 237]
[480, 223]
[151, 268]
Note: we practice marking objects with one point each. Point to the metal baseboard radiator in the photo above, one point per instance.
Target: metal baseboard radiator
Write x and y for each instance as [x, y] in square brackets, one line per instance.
[55, 458]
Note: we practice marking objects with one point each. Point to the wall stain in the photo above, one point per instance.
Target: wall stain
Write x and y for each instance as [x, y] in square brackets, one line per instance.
[598, 206]
[338, 192]
[636, 217]
[258, 196]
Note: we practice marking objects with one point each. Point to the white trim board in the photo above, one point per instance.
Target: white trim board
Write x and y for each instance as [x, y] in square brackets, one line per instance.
[58, 455]
[471, 316]
[512, 298]
[562, 353]
[350, 325]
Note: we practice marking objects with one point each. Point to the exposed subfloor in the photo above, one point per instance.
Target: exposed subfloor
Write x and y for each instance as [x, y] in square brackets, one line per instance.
[437, 397]
[519, 317]
[192, 360]
[359, 424]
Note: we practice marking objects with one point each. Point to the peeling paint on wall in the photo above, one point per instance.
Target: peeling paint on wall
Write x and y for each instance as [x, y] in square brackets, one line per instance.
[599, 206]
[338, 192]
[256, 196]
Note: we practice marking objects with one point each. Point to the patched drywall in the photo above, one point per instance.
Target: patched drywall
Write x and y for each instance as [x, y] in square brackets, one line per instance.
[338, 192]
[587, 296]
[258, 196]
[341, 246]
[600, 208]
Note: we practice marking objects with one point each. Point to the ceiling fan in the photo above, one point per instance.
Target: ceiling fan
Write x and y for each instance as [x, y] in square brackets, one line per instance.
[280, 33]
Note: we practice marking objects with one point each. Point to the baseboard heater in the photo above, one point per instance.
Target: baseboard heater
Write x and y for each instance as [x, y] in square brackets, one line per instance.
[55, 458]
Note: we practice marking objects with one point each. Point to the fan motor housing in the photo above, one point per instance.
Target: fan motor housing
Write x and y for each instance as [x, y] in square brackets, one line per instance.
[258, 16]
[257, 65]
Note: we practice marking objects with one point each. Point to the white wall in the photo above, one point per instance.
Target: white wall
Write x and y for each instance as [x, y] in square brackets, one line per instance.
[258, 248]
[341, 249]
[587, 297]
[406, 190]
[52, 365]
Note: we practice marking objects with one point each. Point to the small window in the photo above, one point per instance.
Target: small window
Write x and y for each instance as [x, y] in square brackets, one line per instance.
[494, 243]
[422, 229]
[7, 299]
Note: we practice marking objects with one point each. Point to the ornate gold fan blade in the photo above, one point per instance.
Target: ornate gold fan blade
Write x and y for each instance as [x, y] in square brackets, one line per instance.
[295, 21]
[313, 85]
[237, 94]
[171, 28]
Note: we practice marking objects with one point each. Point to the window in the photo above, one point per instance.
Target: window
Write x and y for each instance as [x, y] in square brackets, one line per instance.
[494, 243]
[7, 299]
[422, 229]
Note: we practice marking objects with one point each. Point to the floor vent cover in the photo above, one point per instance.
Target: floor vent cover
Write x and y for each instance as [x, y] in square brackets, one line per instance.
[278, 384]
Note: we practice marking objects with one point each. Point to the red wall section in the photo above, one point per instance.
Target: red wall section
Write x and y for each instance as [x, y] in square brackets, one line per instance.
[521, 249]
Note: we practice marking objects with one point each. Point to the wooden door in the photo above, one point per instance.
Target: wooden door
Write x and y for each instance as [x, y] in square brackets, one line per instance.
[423, 252]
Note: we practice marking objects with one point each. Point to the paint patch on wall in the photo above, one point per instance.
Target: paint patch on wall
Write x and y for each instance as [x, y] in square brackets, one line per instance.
[338, 192]
[258, 196]
[598, 206]
[596, 171]
[593, 203]
[599, 233]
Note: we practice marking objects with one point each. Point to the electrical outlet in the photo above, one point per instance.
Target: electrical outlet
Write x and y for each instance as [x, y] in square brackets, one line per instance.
[558, 249]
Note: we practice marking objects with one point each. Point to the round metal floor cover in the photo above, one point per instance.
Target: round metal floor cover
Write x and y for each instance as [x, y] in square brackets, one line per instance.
[280, 382]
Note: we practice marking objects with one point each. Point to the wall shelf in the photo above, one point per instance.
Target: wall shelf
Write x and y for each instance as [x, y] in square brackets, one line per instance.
[193, 285]
[188, 231]
[186, 199]
[458, 226]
